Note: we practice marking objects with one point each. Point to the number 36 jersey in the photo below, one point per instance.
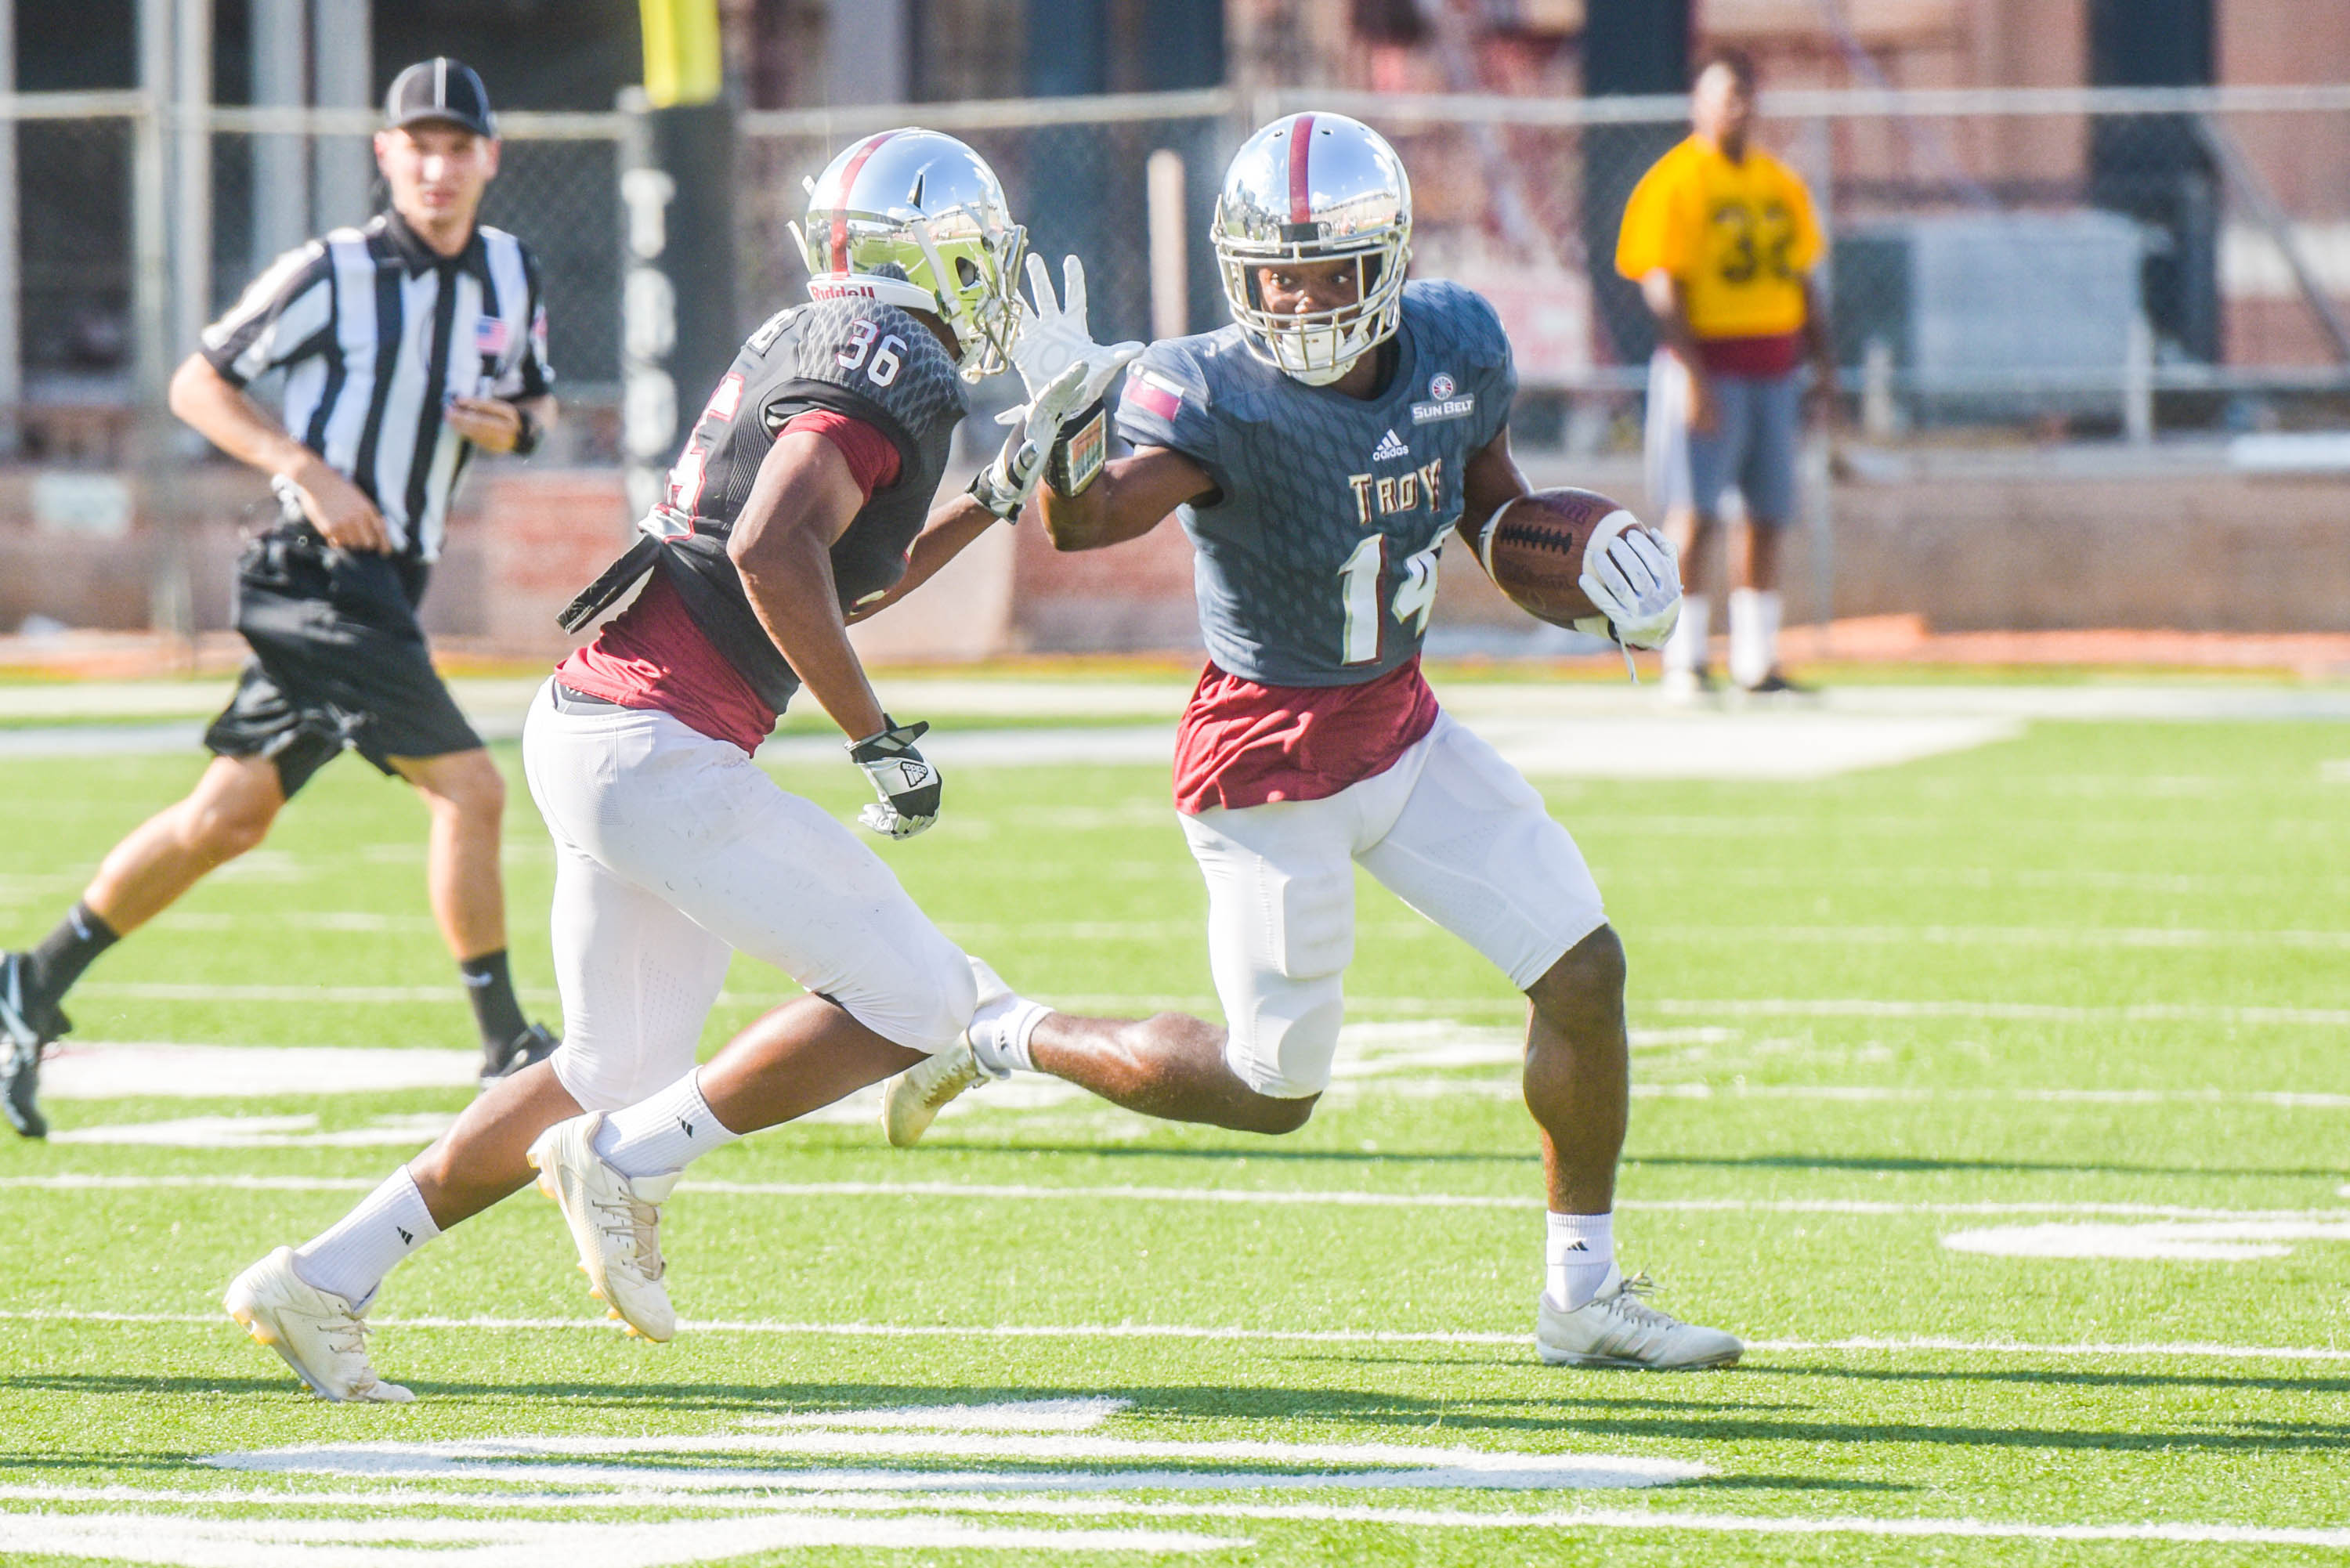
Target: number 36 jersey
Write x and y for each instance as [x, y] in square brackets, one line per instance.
[871, 361]
[1315, 559]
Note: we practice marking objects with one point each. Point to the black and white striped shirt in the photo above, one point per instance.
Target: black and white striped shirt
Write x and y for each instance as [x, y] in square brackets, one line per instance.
[376, 331]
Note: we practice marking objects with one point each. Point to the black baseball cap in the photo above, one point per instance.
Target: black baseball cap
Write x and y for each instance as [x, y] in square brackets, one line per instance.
[440, 89]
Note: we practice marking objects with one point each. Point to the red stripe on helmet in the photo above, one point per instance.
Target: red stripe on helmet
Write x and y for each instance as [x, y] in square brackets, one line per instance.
[1301, 189]
[848, 184]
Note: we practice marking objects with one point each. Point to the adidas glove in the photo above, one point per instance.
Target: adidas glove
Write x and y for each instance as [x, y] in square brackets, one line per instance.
[908, 786]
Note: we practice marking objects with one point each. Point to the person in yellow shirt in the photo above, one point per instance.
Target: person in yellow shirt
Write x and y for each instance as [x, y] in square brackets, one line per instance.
[1722, 238]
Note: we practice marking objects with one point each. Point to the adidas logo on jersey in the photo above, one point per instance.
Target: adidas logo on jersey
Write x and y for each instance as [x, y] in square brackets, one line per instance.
[1390, 449]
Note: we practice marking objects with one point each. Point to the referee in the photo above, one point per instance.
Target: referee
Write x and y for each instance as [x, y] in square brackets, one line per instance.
[406, 345]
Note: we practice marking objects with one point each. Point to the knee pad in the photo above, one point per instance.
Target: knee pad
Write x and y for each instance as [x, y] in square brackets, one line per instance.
[1283, 1052]
[925, 1007]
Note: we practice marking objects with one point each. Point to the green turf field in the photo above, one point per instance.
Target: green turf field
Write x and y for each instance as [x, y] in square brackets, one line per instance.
[2001, 1099]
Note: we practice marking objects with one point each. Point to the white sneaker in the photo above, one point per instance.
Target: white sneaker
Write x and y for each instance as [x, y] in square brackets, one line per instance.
[1617, 1328]
[320, 1337]
[615, 1223]
[916, 1097]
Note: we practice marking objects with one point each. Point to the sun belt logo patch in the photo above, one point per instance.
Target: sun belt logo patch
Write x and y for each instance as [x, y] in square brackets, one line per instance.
[1443, 401]
[1390, 449]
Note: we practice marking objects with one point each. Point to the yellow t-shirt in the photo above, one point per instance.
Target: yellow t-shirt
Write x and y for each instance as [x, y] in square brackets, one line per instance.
[1738, 236]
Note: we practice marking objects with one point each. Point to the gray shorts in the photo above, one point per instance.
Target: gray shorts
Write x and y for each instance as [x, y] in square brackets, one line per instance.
[1751, 449]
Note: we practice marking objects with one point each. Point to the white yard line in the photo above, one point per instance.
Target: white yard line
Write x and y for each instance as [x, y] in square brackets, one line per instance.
[1911, 1344]
[2008, 1011]
[2006, 936]
[652, 1495]
[1279, 1198]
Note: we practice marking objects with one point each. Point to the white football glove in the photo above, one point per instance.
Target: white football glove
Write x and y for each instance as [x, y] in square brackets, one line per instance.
[1053, 336]
[1004, 485]
[909, 786]
[1635, 583]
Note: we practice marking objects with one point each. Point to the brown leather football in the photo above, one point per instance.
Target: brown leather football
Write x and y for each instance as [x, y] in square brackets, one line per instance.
[1533, 549]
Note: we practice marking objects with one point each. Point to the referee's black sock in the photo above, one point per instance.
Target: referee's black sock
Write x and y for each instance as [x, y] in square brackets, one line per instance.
[51, 969]
[495, 1007]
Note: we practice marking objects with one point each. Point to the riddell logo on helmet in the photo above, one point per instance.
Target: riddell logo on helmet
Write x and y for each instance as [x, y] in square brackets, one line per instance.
[841, 288]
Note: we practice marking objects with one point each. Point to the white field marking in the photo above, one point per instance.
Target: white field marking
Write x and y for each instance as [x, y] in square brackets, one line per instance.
[105, 1071]
[2008, 1011]
[409, 1131]
[2007, 936]
[300, 1542]
[1910, 1344]
[1254, 1197]
[2283, 1099]
[1112, 1508]
[1657, 1519]
[321, 995]
[2231, 1241]
[1791, 746]
[1300, 1465]
[1007, 1416]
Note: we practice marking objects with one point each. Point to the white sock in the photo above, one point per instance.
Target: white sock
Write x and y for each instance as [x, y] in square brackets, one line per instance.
[1753, 634]
[1578, 1251]
[1002, 1031]
[662, 1133]
[1685, 649]
[352, 1257]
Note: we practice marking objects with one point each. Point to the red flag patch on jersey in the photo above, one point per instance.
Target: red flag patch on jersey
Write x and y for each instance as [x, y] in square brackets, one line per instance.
[1154, 395]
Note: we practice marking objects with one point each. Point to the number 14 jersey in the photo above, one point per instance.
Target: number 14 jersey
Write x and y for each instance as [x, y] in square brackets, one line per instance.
[1316, 558]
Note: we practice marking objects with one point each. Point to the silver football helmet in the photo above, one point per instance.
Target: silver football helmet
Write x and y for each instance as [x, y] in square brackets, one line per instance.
[916, 219]
[1315, 188]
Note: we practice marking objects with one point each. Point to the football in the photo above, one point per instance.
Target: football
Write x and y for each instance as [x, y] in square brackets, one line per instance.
[1533, 549]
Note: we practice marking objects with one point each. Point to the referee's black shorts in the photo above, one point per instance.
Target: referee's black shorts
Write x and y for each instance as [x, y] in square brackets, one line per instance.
[338, 661]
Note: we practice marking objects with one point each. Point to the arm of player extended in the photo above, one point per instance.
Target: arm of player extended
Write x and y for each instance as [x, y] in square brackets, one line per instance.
[1491, 482]
[226, 414]
[1663, 291]
[945, 534]
[1133, 496]
[803, 500]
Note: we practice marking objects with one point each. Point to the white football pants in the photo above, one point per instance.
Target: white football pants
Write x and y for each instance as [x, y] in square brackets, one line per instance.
[672, 851]
[1451, 829]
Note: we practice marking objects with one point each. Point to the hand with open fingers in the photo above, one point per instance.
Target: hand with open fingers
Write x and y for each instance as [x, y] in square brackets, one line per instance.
[908, 786]
[1053, 335]
[1635, 583]
[1004, 485]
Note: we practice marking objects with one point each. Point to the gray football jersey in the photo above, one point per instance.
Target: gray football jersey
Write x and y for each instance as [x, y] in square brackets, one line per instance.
[1316, 563]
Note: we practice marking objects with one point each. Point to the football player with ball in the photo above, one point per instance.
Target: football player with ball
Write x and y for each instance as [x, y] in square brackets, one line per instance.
[1318, 450]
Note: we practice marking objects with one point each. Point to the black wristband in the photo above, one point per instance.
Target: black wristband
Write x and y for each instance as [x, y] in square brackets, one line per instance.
[1080, 450]
[528, 433]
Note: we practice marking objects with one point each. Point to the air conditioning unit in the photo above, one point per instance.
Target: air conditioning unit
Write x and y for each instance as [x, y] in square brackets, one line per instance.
[1994, 315]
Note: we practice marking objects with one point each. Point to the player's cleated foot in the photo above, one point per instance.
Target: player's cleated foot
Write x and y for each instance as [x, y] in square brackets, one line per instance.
[316, 1331]
[916, 1097]
[1619, 1328]
[1684, 688]
[1777, 684]
[615, 1223]
[25, 1027]
[528, 1049]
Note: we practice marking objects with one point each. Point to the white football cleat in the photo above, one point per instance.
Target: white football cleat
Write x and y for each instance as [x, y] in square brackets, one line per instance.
[915, 1097]
[320, 1337]
[1617, 1328]
[615, 1222]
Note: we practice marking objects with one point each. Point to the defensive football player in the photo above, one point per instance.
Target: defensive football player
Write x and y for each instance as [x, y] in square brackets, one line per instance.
[1318, 450]
[801, 495]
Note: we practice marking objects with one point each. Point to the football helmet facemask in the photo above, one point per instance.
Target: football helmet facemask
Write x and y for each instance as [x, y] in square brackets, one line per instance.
[916, 219]
[1315, 188]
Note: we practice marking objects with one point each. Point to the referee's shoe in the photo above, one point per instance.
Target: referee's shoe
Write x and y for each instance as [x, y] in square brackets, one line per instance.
[25, 1027]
